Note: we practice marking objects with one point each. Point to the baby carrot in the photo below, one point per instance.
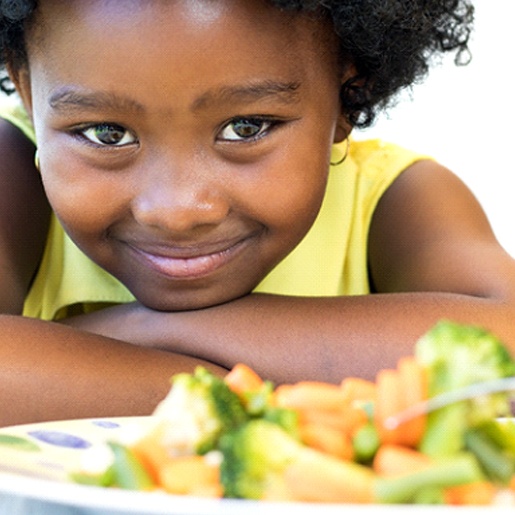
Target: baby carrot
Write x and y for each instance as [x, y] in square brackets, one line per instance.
[347, 420]
[310, 394]
[388, 402]
[396, 390]
[241, 378]
[414, 386]
[327, 439]
[356, 389]
[392, 460]
[277, 490]
[480, 493]
[150, 451]
[191, 475]
[318, 477]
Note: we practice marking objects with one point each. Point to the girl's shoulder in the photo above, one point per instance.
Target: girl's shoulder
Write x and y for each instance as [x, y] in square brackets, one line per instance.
[373, 164]
[24, 209]
[12, 110]
[374, 155]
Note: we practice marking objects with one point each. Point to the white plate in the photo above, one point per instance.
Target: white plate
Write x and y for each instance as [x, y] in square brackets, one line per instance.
[35, 460]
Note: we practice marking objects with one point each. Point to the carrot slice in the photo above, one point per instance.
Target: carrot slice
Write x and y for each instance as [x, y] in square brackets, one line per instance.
[191, 475]
[414, 386]
[277, 490]
[241, 378]
[347, 420]
[393, 460]
[310, 394]
[327, 439]
[150, 451]
[396, 390]
[318, 477]
[356, 389]
[480, 493]
[389, 401]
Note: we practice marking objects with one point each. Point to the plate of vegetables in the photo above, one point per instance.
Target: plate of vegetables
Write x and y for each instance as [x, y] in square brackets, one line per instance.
[434, 431]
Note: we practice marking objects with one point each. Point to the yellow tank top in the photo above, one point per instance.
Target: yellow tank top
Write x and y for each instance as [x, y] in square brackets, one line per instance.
[330, 260]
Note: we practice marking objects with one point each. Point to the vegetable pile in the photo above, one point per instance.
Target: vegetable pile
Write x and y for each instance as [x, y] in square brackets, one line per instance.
[242, 437]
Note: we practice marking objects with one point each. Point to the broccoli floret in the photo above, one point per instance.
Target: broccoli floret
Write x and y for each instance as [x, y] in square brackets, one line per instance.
[197, 410]
[457, 356]
[260, 404]
[460, 355]
[254, 456]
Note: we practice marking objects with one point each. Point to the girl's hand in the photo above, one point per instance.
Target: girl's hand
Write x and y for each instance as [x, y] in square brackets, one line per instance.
[127, 322]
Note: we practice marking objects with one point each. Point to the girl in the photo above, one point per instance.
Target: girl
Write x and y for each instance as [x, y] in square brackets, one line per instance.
[201, 202]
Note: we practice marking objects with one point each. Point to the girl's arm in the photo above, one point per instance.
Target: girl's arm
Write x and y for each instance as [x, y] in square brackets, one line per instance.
[432, 255]
[24, 217]
[48, 371]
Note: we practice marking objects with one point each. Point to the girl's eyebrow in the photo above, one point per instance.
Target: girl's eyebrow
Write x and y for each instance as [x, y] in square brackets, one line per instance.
[285, 92]
[69, 98]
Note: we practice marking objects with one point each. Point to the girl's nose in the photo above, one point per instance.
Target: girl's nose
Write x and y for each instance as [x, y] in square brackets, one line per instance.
[178, 201]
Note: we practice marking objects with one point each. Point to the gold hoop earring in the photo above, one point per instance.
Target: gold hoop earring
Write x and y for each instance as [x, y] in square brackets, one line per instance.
[344, 157]
[36, 160]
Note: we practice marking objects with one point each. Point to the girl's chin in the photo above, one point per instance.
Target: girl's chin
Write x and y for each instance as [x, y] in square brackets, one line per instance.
[188, 301]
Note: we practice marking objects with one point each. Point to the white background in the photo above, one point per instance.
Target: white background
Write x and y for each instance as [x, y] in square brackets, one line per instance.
[464, 116]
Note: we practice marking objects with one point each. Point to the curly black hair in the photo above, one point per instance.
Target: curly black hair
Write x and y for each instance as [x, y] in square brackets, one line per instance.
[391, 43]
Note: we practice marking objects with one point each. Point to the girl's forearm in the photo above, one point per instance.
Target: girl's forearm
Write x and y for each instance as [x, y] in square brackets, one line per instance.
[288, 339]
[49, 371]
[292, 339]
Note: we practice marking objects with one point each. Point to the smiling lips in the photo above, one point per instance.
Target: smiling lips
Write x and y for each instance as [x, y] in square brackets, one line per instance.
[188, 262]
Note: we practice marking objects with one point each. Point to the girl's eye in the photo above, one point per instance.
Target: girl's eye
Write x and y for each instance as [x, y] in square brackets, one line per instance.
[108, 134]
[245, 129]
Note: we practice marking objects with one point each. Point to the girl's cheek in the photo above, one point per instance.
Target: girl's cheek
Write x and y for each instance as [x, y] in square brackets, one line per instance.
[73, 195]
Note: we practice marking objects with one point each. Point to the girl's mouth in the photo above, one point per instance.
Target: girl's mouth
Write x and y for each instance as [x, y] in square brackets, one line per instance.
[188, 263]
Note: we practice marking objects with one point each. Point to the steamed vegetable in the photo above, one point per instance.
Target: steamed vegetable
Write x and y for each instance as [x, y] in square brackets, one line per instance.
[396, 390]
[457, 356]
[241, 437]
[458, 469]
[260, 455]
[254, 457]
[198, 409]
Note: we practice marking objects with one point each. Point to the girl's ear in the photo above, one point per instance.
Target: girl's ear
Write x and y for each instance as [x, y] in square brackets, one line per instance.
[20, 77]
[343, 126]
[343, 129]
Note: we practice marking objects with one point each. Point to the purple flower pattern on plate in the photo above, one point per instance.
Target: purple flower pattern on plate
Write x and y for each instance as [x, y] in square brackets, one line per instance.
[106, 424]
[68, 440]
[60, 439]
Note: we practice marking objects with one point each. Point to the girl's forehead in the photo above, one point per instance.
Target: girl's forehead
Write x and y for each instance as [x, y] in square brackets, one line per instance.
[154, 19]
[148, 36]
[195, 14]
[119, 12]
[178, 50]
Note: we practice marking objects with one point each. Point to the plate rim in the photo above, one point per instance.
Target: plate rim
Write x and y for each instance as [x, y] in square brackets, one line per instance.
[74, 495]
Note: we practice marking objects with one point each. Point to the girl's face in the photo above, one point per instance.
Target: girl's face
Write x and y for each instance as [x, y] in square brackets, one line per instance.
[184, 145]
